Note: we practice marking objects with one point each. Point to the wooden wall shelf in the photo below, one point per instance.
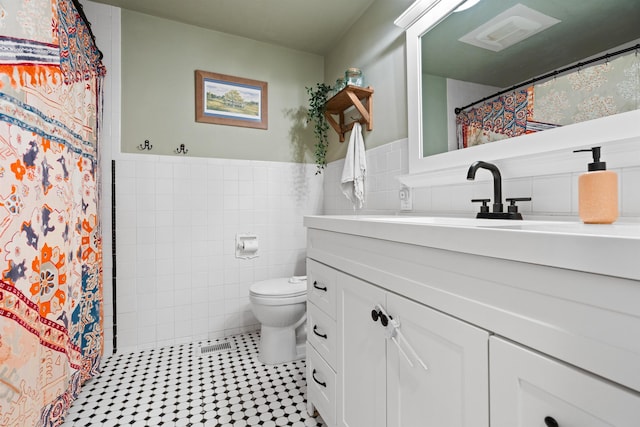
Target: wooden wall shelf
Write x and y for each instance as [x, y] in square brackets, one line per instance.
[350, 96]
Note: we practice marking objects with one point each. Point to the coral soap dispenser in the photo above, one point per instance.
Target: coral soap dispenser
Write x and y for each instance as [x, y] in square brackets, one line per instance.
[597, 192]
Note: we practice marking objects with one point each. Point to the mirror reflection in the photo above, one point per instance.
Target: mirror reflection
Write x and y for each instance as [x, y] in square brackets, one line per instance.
[489, 48]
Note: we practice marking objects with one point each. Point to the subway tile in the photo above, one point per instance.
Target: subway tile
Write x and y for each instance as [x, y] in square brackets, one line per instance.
[199, 207]
[145, 169]
[214, 174]
[163, 171]
[146, 268]
[146, 287]
[184, 328]
[165, 299]
[146, 236]
[165, 332]
[182, 298]
[165, 269]
[199, 173]
[128, 318]
[127, 339]
[630, 191]
[181, 172]
[125, 304]
[146, 318]
[214, 190]
[146, 303]
[230, 173]
[231, 202]
[552, 194]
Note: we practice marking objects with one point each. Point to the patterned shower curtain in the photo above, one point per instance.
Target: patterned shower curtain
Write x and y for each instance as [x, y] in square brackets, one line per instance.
[593, 92]
[51, 333]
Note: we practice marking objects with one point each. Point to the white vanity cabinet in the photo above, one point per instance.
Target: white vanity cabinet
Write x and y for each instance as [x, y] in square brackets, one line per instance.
[531, 390]
[433, 373]
[516, 328]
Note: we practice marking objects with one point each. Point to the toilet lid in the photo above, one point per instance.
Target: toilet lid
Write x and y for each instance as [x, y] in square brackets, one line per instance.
[280, 287]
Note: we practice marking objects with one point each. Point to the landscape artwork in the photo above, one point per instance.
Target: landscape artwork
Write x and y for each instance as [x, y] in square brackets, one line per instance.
[229, 100]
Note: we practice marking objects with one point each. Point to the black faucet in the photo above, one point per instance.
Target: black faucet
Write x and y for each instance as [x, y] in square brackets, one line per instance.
[497, 182]
[512, 210]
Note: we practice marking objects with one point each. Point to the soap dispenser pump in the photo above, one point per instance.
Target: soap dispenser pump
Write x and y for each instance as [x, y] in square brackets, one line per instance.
[597, 192]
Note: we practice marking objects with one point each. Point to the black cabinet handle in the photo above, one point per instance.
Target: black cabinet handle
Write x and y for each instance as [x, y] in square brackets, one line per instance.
[376, 314]
[315, 331]
[320, 288]
[313, 375]
[551, 422]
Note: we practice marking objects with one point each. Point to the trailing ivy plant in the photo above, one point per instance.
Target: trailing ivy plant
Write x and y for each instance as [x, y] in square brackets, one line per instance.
[315, 114]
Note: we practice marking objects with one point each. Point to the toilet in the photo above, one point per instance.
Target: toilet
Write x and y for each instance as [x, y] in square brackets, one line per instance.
[280, 305]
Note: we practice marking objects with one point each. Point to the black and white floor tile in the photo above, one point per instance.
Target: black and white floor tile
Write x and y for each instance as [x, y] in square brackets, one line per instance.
[174, 386]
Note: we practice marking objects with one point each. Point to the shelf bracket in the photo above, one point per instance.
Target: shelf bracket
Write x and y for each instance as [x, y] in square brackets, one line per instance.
[350, 96]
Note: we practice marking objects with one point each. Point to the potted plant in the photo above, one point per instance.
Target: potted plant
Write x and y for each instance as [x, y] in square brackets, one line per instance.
[317, 102]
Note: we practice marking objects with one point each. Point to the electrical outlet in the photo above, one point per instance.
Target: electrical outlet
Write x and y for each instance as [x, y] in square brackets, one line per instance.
[406, 202]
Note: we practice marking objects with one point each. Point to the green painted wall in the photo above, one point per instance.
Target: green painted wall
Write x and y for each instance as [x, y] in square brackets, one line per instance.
[375, 45]
[159, 58]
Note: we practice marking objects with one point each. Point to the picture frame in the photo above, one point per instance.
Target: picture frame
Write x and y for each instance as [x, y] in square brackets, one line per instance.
[229, 100]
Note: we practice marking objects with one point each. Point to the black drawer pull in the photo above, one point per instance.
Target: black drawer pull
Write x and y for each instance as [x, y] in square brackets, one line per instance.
[315, 331]
[550, 422]
[313, 375]
[320, 288]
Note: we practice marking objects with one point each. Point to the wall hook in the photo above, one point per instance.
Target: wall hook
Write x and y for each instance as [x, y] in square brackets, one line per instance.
[181, 150]
[146, 145]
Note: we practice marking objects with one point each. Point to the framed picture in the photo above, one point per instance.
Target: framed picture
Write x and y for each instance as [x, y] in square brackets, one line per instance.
[229, 100]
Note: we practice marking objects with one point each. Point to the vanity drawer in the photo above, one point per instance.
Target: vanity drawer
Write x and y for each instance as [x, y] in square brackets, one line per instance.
[321, 333]
[321, 386]
[321, 287]
[531, 390]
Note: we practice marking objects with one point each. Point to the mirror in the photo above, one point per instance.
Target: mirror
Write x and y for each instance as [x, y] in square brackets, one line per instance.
[454, 73]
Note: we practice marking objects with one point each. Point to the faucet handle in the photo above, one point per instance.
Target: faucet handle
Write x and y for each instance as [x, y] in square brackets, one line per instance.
[512, 203]
[484, 207]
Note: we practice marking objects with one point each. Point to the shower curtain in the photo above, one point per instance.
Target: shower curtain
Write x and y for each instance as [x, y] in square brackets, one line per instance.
[596, 91]
[51, 334]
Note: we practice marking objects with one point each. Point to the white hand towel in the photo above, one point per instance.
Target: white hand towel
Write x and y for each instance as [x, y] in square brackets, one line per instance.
[355, 168]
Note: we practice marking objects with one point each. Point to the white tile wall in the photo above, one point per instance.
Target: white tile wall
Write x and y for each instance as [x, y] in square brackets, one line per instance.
[178, 279]
[384, 164]
[553, 195]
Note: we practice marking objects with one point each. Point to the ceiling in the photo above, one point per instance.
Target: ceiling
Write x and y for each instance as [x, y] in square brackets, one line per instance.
[587, 27]
[308, 25]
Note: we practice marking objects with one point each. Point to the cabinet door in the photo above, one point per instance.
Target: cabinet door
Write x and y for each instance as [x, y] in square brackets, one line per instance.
[532, 390]
[361, 391]
[454, 390]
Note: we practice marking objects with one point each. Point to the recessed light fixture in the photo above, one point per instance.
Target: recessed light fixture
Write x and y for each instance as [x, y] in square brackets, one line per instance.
[466, 5]
[508, 28]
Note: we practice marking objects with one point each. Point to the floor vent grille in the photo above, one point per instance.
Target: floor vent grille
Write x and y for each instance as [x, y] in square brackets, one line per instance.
[214, 348]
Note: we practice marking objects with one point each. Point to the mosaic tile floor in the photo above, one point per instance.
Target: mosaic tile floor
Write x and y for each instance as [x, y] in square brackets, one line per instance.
[174, 386]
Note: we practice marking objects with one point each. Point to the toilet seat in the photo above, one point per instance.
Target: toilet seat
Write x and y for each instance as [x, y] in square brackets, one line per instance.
[279, 291]
[279, 288]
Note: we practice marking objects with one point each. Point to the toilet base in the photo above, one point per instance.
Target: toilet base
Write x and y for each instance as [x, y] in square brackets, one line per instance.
[278, 345]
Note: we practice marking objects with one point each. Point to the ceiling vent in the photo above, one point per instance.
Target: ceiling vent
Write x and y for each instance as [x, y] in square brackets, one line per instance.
[508, 28]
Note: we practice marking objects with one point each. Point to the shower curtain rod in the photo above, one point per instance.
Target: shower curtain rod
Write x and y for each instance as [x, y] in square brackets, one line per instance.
[551, 74]
[80, 10]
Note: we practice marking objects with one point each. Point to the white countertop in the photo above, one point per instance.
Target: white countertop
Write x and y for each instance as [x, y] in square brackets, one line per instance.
[611, 249]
